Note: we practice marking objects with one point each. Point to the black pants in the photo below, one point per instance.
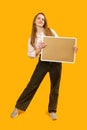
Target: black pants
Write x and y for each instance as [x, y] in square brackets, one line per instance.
[41, 69]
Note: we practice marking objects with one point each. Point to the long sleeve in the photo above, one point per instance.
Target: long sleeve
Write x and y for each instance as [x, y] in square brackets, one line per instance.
[31, 50]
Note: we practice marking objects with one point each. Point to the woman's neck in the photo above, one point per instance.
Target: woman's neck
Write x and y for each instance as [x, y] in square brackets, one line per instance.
[40, 29]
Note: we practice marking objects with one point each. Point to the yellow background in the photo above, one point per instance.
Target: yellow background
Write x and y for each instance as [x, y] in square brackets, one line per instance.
[67, 18]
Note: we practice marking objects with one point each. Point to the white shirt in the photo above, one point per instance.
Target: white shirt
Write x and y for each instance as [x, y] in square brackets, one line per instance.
[31, 50]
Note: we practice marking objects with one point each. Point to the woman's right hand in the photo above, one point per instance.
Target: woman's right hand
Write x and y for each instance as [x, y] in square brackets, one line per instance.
[42, 45]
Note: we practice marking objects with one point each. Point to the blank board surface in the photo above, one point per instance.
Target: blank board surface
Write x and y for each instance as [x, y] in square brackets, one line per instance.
[59, 49]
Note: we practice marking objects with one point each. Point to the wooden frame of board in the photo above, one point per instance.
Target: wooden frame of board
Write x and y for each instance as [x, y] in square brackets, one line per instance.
[59, 49]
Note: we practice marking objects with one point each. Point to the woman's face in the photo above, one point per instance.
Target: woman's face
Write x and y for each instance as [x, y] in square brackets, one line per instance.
[40, 20]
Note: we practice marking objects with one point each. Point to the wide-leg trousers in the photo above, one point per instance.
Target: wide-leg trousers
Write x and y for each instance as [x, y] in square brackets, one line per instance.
[54, 69]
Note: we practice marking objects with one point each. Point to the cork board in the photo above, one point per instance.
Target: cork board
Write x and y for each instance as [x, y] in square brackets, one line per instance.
[59, 49]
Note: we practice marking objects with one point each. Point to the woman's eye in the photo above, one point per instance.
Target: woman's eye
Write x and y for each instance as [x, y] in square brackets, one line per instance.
[42, 19]
[38, 18]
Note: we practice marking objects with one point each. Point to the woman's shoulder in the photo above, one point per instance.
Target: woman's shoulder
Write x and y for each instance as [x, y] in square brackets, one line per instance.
[54, 32]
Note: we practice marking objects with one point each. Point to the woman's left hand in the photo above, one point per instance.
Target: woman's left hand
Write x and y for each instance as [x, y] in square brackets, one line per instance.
[75, 49]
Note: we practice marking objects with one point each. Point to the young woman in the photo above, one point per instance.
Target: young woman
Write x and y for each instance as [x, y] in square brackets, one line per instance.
[35, 44]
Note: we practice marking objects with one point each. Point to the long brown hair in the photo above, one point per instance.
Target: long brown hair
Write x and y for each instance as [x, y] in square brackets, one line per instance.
[34, 30]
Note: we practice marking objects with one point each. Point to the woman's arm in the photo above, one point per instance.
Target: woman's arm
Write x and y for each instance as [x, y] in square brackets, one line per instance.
[33, 52]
